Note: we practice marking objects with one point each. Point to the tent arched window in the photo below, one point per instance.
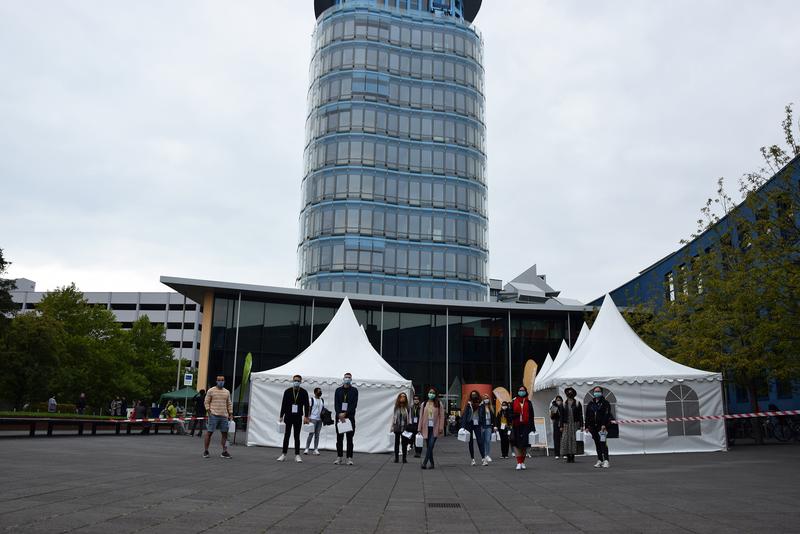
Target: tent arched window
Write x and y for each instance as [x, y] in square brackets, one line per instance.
[609, 396]
[682, 401]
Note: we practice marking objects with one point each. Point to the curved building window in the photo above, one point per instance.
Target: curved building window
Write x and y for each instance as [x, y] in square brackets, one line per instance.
[682, 401]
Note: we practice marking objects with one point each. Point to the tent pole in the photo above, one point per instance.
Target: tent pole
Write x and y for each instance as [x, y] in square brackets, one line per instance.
[236, 344]
[310, 341]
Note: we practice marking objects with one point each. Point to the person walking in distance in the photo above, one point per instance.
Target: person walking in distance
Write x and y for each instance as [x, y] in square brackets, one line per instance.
[488, 426]
[317, 404]
[199, 415]
[219, 408]
[521, 424]
[345, 401]
[504, 418]
[431, 425]
[52, 405]
[571, 420]
[598, 419]
[294, 410]
[416, 411]
[470, 422]
[401, 417]
[80, 406]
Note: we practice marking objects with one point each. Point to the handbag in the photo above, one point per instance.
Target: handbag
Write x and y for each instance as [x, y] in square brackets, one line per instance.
[533, 437]
[280, 427]
[463, 435]
[326, 417]
[342, 427]
[579, 435]
[495, 436]
[418, 441]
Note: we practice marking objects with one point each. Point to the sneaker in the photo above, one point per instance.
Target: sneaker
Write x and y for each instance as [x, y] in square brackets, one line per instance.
[349, 461]
[519, 467]
[298, 459]
[484, 462]
[316, 452]
[281, 458]
[488, 458]
[523, 465]
[606, 464]
[338, 460]
[226, 455]
[305, 452]
[558, 457]
[598, 463]
[473, 462]
[206, 455]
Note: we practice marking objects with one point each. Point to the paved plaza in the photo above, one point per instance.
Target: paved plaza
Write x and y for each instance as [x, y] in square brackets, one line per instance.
[118, 484]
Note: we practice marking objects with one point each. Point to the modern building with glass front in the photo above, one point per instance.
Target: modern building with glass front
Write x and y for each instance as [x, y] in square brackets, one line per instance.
[394, 187]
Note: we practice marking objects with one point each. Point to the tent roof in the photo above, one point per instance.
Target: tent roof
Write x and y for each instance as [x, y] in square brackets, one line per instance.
[564, 353]
[614, 353]
[342, 347]
[548, 362]
[183, 393]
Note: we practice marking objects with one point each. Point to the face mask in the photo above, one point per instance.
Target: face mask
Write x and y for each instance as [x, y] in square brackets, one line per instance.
[486, 401]
[559, 402]
[597, 394]
[505, 406]
[416, 401]
[220, 383]
[296, 383]
[522, 393]
[347, 381]
[431, 396]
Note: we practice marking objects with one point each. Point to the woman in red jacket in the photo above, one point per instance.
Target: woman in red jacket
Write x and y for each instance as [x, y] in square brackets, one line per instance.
[521, 425]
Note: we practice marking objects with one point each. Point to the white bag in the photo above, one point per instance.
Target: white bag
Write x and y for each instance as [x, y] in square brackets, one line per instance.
[391, 439]
[407, 434]
[308, 427]
[418, 441]
[463, 435]
[231, 427]
[579, 435]
[495, 436]
[280, 427]
[533, 437]
[345, 426]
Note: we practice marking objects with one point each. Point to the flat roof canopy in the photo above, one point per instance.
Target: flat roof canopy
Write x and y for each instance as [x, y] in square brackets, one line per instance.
[471, 8]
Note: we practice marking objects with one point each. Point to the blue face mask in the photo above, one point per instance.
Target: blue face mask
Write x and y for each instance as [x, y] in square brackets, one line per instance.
[348, 380]
[522, 393]
[597, 394]
[220, 383]
[296, 383]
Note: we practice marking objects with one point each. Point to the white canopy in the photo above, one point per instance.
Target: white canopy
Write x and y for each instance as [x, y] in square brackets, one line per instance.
[561, 357]
[546, 365]
[341, 348]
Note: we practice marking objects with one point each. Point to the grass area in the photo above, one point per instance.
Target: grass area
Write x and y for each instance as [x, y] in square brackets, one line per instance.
[46, 415]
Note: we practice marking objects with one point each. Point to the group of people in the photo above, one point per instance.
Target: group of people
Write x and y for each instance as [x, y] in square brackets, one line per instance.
[118, 407]
[80, 404]
[569, 418]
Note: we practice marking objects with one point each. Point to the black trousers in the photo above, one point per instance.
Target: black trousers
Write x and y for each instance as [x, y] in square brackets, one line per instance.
[340, 439]
[292, 424]
[199, 420]
[398, 438]
[557, 439]
[600, 446]
[504, 442]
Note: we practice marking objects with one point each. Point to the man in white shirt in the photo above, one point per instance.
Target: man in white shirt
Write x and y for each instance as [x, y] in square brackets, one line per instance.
[317, 404]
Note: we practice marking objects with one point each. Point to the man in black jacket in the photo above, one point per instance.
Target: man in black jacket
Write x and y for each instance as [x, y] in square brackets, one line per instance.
[345, 403]
[294, 410]
[199, 412]
[598, 419]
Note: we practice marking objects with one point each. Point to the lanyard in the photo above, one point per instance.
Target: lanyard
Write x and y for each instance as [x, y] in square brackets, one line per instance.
[296, 393]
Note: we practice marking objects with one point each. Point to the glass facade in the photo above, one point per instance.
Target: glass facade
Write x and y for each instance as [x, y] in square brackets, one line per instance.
[394, 196]
[431, 345]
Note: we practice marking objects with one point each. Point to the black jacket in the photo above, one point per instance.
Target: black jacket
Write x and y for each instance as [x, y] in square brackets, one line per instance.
[289, 399]
[200, 405]
[352, 400]
[598, 414]
[577, 414]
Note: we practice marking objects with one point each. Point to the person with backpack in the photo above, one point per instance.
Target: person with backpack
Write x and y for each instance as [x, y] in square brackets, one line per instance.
[317, 405]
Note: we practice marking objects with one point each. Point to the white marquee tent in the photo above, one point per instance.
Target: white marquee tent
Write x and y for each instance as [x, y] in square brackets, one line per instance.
[640, 384]
[342, 347]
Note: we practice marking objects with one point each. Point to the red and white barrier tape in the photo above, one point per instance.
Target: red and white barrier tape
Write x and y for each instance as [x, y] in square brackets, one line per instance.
[163, 420]
[706, 417]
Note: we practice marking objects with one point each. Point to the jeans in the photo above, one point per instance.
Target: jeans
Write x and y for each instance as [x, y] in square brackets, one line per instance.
[315, 434]
[429, 450]
[486, 433]
[292, 424]
[476, 432]
[340, 438]
[217, 422]
[398, 438]
[600, 446]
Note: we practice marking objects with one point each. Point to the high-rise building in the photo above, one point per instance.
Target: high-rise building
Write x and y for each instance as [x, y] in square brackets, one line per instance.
[394, 188]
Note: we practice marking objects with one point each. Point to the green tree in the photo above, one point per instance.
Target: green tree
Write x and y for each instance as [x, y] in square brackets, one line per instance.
[736, 306]
[6, 304]
[151, 356]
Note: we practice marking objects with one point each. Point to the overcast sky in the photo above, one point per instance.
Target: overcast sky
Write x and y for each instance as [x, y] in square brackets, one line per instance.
[149, 138]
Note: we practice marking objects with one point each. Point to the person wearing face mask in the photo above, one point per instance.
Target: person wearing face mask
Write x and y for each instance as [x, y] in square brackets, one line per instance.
[555, 408]
[504, 418]
[219, 408]
[488, 426]
[345, 402]
[570, 417]
[317, 404]
[471, 422]
[521, 425]
[431, 425]
[598, 419]
[401, 422]
[294, 410]
[416, 412]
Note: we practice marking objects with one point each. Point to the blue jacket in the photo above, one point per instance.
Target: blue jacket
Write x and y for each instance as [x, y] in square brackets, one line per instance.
[466, 417]
[352, 400]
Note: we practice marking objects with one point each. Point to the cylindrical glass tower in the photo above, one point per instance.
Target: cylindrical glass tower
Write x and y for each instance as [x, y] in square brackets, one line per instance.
[394, 187]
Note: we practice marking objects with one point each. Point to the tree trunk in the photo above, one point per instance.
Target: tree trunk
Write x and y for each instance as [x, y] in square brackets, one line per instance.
[756, 421]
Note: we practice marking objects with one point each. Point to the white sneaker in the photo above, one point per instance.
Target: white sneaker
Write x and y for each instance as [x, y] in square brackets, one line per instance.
[472, 462]
[606, 464]
[488, 458]
[338, 460]
[519, 467]
[528, 455]
[298, 459]
[316, 452]
[305, 452]
[349, 461]
[598, 463]
[281, 458]
[484, 462]
[558, 457]
[523, 466]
